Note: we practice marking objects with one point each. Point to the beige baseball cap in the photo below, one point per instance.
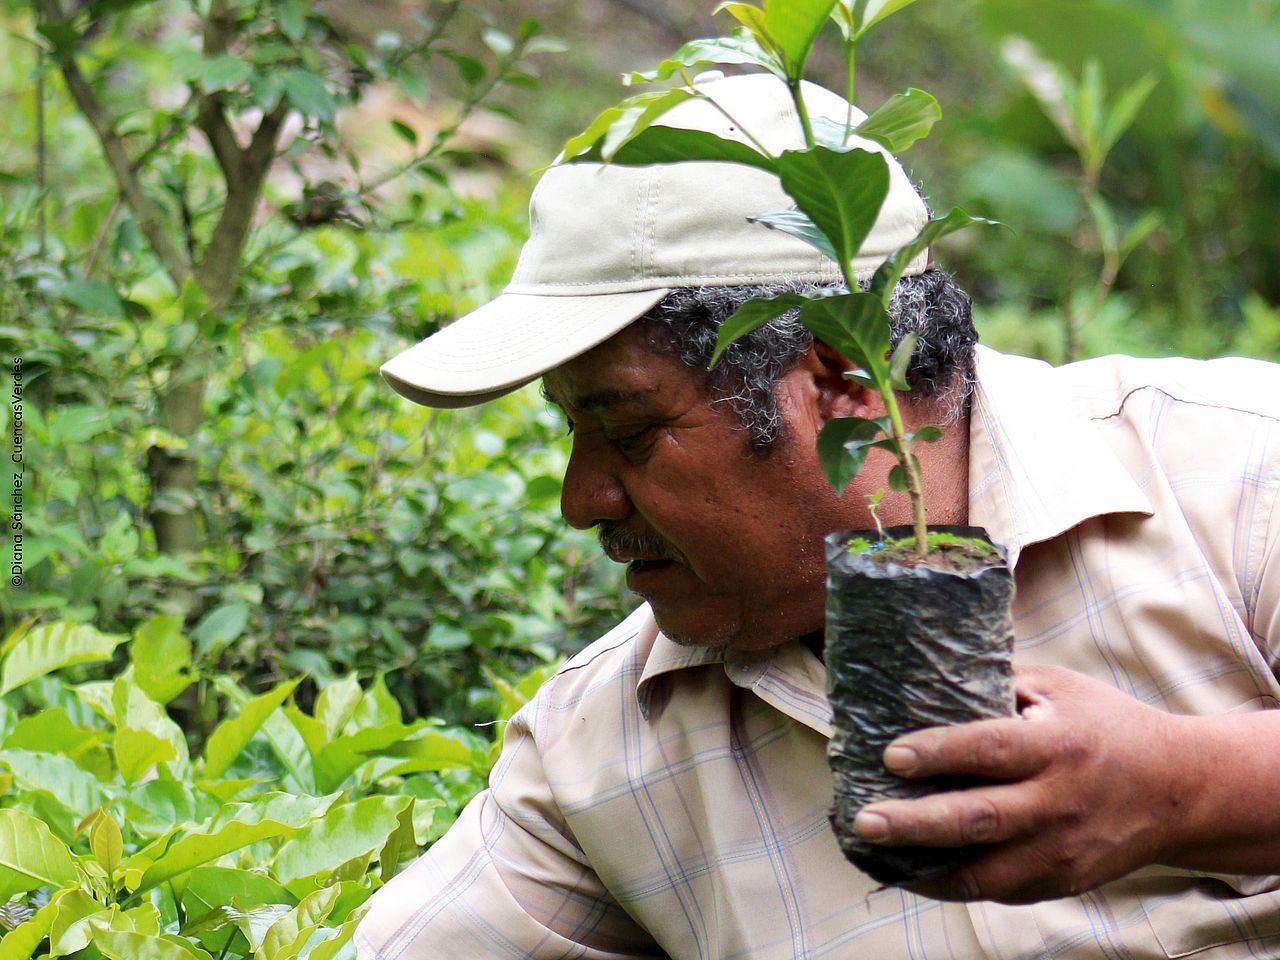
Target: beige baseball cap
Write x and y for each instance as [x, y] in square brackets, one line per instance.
[607, 242]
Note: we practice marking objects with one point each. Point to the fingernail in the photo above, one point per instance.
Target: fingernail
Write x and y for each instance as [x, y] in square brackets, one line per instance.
[900, 759]
[871, 827]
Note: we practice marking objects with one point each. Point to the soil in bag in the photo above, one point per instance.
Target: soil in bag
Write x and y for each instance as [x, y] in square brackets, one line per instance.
[909, 646]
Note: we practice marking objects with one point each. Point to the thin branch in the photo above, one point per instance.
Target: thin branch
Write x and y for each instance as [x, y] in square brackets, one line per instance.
[150, 220]
[220, 265]
[219, 27]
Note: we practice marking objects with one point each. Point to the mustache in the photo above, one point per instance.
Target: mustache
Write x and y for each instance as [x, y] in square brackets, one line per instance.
[621, 543]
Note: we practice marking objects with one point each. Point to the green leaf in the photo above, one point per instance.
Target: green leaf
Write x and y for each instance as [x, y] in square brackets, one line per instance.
[293, 19]
[106, 841]
[31, 856]
[793, 25]
[223, 72]
[138, 751]
[1124, 110]
[337, 703]
[927, 434]
[145, 735]
[618, 125]
[307, 92]
[890, 272]
[343, 755]
[231, 736]
[857, 325]
[289, 934]
[221, 626]
[121, 945]
[405, 132]
[52, 647]
[752, 315]
[236, 826]
[838, 463]
[53, 731]
[76, 789]
[797, 224]
[333, 948]
[92, 296]
[841, 192]
[740, 48]
[658, 144]
[23, 941]
[346, 832]
[161, 655]
[865, 14]
[1136, 234]
[433, 750]
[901, 359]
[401, 846]
[901, 120]
[1105, 223]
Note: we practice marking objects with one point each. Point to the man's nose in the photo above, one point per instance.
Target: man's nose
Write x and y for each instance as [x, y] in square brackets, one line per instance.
[592, 491]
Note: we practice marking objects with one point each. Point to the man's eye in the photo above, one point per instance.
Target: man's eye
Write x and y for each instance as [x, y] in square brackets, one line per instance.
[633, 443]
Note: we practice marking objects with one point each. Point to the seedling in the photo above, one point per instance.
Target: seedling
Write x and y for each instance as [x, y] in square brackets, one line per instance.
[838, 188]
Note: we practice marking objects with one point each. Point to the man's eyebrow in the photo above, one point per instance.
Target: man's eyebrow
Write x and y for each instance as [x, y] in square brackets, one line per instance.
[609, 398]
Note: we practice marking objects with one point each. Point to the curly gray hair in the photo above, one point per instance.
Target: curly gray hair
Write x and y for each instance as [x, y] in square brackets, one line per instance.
[685, 322]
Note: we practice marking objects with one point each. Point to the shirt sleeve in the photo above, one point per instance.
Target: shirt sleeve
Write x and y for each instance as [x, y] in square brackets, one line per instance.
[507, 880]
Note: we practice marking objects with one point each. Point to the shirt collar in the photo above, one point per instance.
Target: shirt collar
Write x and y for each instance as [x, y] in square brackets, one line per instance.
[1037, 466]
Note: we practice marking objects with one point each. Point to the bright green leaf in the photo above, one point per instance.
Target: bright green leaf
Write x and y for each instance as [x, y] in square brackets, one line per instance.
[31, 856]
[286, 937]
[337, 703]
[345, 832]
[740, 48]
[161, 655]
[890, 272]
[106, 842]
[120, 945]
[231, 736]
[793, 25]
[236, 826]
[867, 13]
[617, 125]
[52, 647]
[901, 120]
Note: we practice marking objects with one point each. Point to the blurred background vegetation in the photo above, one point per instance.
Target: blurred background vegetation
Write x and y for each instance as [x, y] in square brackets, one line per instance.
[217, 217]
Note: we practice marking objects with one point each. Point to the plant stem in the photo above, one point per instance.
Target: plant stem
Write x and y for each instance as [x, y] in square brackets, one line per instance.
[903, 452]
[902, 449]
[851, 85]
[803, 113]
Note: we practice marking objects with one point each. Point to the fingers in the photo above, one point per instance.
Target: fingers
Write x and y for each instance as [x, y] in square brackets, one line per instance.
[982, 815]
[997, 749]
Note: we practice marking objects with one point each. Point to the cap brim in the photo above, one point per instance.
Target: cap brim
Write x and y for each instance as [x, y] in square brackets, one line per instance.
[509, 342]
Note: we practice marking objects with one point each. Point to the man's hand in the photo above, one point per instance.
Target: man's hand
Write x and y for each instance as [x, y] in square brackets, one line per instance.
[1090, 788]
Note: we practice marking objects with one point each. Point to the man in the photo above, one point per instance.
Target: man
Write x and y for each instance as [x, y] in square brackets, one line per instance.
[666, 793]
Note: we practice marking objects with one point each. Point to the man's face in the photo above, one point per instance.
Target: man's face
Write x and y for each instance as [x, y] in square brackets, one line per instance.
[725, 545]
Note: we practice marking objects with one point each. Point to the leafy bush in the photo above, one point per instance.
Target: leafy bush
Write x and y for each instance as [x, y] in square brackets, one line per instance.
[122, 837]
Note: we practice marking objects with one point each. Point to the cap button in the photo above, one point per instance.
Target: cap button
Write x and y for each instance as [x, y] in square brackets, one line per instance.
[709, 76]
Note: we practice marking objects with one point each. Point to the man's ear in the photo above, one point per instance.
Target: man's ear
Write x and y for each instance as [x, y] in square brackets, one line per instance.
[837, 395]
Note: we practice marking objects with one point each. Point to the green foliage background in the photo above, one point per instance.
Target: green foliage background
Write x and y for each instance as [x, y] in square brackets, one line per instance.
[240, 550]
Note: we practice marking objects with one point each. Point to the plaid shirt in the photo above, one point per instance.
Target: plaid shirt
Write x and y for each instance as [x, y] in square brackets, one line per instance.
[654, 800]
